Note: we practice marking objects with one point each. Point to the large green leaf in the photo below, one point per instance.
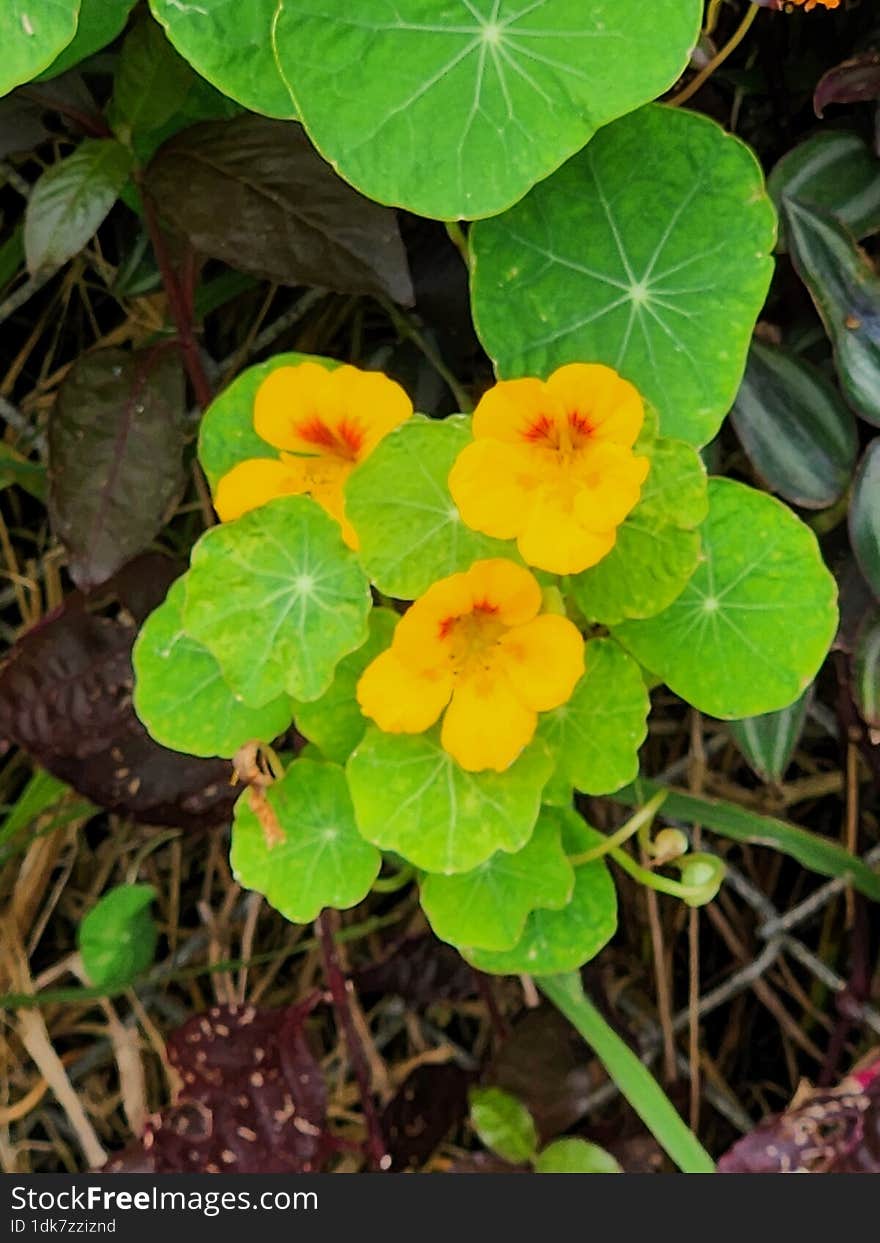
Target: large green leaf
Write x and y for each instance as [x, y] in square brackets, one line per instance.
[278, 600]
[398, 501]
[71, 200]
[506, 89]
[100, 21]
[649, 252]
[562, 940]
[334, 722]
[753, 625]
[864, 516]
[411, 797]
[32, 34]
[488, 906]
[658, 545]
[226, 435]
[846, 290]
[596, 735]
[229, 43]
[836, 170]
[796, 428]
[319, 859]
[180, 694]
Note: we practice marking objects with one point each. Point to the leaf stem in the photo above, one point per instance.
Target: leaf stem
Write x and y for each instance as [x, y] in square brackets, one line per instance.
[717, 60]
[641, 819]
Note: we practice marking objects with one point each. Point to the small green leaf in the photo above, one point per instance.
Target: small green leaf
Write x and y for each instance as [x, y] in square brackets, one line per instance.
[752, 627]
[334, 722]
[596, 735]
[519, 86]
[411, 797]
[398, 501]
[100, 21]
[797, 430]
[226, 435]
[835, 170]
[229, 43]
[117, 938]
[846, 291]
[71, 200]
[322, 861]
[488, 907]
[16, 469]
[562, 940]
[866, 670]
[658, 546]
[864, 516]
[575, 1156]
[32, 34]
[180, 694]
[503, 1124]
[277, 599]
[768, 741]
[151, 82]
[580, 269]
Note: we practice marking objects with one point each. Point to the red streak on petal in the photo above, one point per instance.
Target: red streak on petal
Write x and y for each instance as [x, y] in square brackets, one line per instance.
[446, 626]
[316, 433]
[345, 442]
[485, 606]
[580, 424]
[543, 428]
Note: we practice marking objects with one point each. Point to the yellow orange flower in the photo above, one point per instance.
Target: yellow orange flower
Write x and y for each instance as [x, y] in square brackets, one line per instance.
[811, 4]
[551, 465]
[477, 645]
[324, 422]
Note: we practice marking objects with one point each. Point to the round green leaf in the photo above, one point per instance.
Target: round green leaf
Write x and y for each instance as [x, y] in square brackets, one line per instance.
[399, 503]
[580, 270]
[411, 797]
[753, 625]
[836, 170]
[230, 43]
[226, 435]
[596, 735]
[322, 862]
[117, 938]
[555, 941]
[334, 722]
[32, 34]
[503, 1124]
[489, 906]
[100, 21]
[519, 86]
[277, 599]
[180, 694]
[575, 1156]
[864, 516]
[657, 547]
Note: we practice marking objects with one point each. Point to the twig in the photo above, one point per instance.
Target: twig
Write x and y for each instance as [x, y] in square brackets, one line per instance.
[718, 59]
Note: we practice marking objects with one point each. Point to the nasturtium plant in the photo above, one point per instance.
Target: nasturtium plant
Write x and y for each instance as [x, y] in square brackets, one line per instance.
[32, 34]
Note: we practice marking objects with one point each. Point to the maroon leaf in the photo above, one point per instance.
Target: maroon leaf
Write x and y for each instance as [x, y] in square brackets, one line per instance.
[823, 1131]
[421, 970]
[115, 457]
[65, 697]
[285, 216]
[852, 82]
[431, 1101]
[253, 1099]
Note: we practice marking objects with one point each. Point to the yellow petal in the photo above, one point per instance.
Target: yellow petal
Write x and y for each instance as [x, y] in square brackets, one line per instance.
[254, 482]
[611, 481]
[292, 401]
[611, 407]
[555, 540]
[518, 411]
[486, 724]
[400, 700]
[420, 639]
[491, 483]
[325, 479]
[544, 661]
[509, 591]
[367, 404]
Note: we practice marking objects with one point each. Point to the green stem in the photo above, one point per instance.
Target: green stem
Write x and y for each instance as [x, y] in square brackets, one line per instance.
[397, 880]
[635, 1081]
[642, 819]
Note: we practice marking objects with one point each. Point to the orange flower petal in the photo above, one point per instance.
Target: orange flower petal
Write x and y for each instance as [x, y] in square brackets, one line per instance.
[368, 405]
[611, 481]
[325, 479]
[511, 593]
[554, 539]
[400, 700]
[254, 482]
[420, 638]
[490, 482]
[543, 660]
[517, 411]
[611, 407]
[292, 400]
[486, 725]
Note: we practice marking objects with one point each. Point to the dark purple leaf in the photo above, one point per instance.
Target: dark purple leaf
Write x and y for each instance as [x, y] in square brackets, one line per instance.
[431, 1101]
[851, 82]
[253, 1099]
[255, 193]
[65, 697]
[823, 1131]
[115, 457]
[421, 970]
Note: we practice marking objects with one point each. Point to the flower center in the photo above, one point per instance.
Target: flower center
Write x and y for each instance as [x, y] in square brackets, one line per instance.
[472, 638]
[344, 441]
[564, 438]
